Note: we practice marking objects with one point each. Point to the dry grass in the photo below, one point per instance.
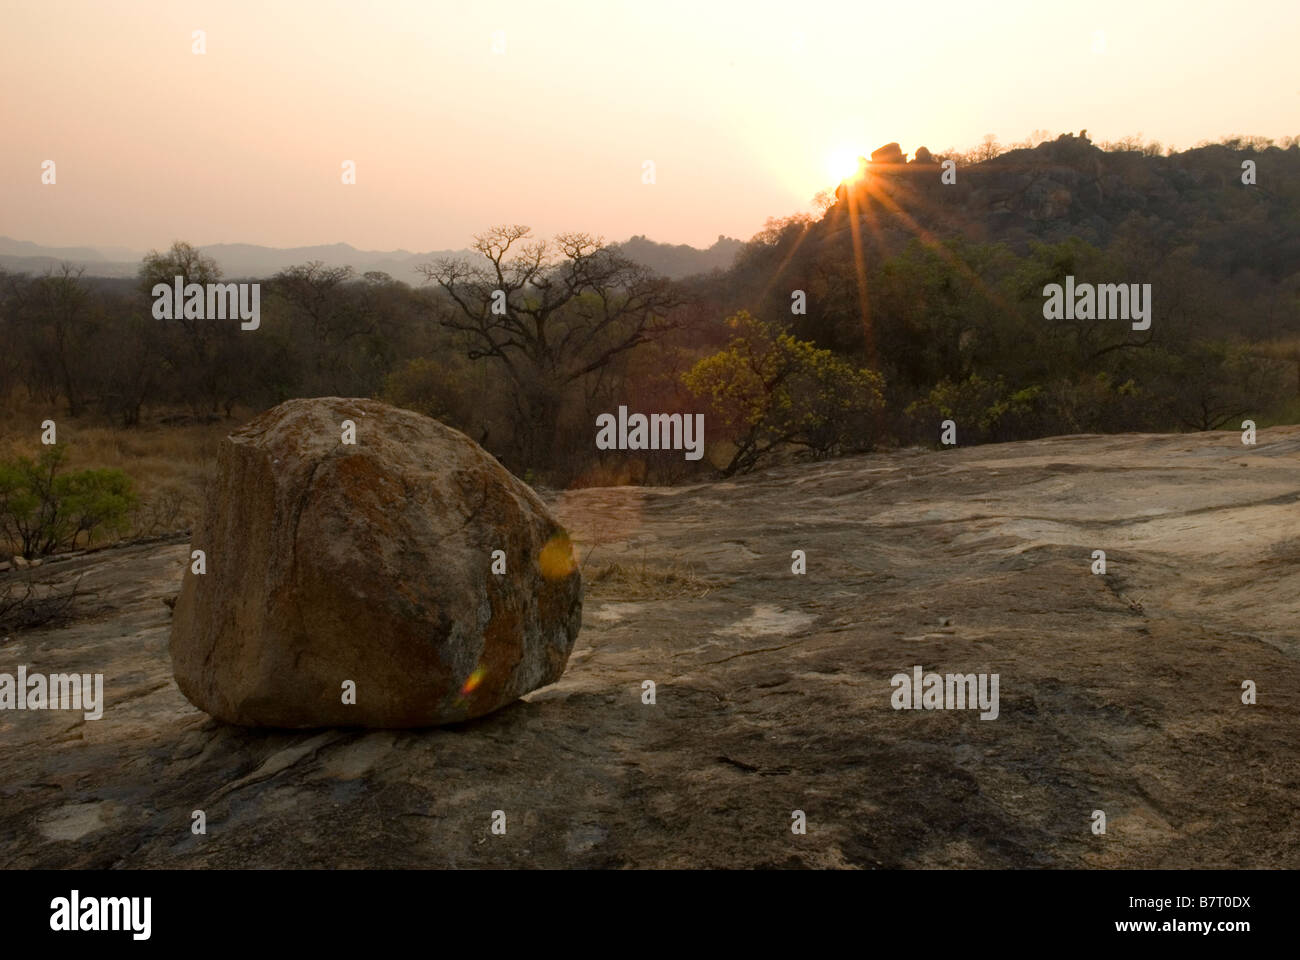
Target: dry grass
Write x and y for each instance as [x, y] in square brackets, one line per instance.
[628, 473]
[170, 465]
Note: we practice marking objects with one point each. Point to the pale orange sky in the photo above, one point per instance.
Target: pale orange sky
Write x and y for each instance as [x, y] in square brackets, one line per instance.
[739, 105]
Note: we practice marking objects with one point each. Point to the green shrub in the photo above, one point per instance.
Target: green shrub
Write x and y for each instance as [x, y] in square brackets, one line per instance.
[43, 510]
[985, 411]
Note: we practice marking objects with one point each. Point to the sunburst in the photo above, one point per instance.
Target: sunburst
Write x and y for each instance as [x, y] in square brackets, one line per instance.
[843, 165]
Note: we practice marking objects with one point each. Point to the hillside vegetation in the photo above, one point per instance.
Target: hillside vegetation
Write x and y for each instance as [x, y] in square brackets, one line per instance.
[907, 302]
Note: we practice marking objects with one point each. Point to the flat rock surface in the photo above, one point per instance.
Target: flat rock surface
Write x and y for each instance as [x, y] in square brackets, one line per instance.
[1119, 693]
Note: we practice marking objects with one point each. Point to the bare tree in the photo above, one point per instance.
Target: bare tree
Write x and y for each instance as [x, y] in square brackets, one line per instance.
[988, 148]
[54, 312]
[552, 313]
[201, 354]
[313, 291]
[180, 260]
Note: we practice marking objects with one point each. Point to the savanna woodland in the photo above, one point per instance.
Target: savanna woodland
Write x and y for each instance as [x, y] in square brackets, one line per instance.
[906, 302]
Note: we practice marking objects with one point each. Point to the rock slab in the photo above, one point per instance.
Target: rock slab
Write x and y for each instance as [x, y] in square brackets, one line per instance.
[334, 567]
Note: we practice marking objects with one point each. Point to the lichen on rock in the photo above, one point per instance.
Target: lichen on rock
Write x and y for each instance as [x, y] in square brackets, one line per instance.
[329, 562]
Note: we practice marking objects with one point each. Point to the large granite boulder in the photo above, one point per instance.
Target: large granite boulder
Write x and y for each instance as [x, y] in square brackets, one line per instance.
[888, 154]
[369, 566]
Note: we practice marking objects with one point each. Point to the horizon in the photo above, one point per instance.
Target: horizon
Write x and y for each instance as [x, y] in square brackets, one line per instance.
[137, 253]
[745, 115]
[101, 248]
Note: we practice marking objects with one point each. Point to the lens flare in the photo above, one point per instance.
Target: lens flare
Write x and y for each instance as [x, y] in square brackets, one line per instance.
[556, 558]
[472, 681]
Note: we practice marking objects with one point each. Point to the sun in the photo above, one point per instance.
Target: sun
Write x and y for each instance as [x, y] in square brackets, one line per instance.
[842, 165]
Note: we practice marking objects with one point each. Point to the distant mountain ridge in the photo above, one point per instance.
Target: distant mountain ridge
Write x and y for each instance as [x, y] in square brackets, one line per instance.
[681, 260]
[256, 261]
[25, 248]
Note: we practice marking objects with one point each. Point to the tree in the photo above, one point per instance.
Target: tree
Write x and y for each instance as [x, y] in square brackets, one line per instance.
[770, 389]
[988, 148]
[984, 410]
[1211, 384]
[128, 365]
[552, 313]
[52, 317]
[205, 359]
[181, 260]
[330, 325]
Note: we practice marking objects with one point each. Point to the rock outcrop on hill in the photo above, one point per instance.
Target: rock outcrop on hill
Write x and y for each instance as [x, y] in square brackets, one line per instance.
[1069, 188]
[889, 153]
[355, 584]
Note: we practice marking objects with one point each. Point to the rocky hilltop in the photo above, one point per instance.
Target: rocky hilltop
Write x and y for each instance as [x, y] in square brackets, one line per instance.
[1119, 692]
[1070, 188]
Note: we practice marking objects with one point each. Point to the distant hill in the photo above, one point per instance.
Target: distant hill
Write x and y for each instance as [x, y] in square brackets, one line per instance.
[235, 259]
[23, 256]
[25, 248]
[251, 260]
[255, 261]
[1068, 187]
[679, 260]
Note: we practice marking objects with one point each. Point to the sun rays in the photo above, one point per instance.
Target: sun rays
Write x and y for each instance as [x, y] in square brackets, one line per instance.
[844, 165]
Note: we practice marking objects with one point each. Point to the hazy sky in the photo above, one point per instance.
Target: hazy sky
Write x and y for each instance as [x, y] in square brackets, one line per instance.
[739, 105]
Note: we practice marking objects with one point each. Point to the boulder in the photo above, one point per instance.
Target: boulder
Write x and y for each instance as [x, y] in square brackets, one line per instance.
[369, 566]
[889, 153]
